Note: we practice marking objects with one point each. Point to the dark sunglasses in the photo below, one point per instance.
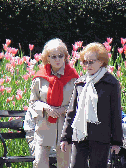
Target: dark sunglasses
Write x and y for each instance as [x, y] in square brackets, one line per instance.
[90, 62]
[60, 56]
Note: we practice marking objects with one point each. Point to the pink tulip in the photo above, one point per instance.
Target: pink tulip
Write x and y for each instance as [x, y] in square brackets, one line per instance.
[110, 69]
[8, 99]
[84, 68]
[19, 91]
[10, 131]
[71, 63]
[20, 61]
[5, 47]
[79, 43]
[9, 49]
[25, 90]
[31, 73]
[13, 103]
[18, 71]
[119, 67]
[81, 63]
[13, 63]
[123, 41]
[8, 41]
[77, 56]
[37, 57]
[25, 108]
[1, 55]
[40, 66]
[110, 55]
[74, 53]
[68, 57]
[124, 47]
[109, 40]
[19, 94]
[14, 51]
[12, 97]
[7, 56]
[74, 60]
[108, 48]
[2, 81]
[81, 73]
[31, 47]
[8, 89]
[10, 118]
[26, 76]
[26, 59]
[75, 47]
[29, 63]
[28, 69]
[120, 50]
[18, 97]
[119, 73]
[106, 44]
[8, 66]
[12, 70]
[2, 88]
[8, 79]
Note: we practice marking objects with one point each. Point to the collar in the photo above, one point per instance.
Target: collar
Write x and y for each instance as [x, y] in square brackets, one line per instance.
[59, 72]
[108, 78]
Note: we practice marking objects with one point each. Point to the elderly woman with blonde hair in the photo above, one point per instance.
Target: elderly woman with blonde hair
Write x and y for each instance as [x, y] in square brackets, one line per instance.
[51, 91]
[93, 120]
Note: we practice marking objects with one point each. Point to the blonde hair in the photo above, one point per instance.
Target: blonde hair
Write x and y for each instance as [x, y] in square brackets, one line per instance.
[55, 43]
[100, 51]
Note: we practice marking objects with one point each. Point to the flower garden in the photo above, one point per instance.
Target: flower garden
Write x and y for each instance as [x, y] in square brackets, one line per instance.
[17, 71]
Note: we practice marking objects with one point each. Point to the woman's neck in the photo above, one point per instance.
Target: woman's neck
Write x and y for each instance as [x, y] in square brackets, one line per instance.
[55, 69]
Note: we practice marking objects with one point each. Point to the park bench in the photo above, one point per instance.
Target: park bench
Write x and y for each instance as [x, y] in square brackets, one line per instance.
[16, 124]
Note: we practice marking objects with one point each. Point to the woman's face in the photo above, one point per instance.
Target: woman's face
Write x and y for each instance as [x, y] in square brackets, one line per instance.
[56, 58]
[91, 63]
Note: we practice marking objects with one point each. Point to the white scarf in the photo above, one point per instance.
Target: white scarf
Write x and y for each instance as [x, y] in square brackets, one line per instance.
[87, 106]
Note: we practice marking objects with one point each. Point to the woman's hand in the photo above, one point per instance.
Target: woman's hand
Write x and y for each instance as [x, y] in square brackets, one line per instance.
[61, 110]
[51, 111]
[116, 148]
[54, 112]
[64, 145]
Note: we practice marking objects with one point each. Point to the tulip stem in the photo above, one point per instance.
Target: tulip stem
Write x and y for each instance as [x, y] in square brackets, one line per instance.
[30, 54]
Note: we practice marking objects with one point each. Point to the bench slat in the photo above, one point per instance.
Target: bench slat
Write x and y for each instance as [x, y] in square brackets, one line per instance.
[12, 113]
[14, 124]
[13, 159]
[13, 135]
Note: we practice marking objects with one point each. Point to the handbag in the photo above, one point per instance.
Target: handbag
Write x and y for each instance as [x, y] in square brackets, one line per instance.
[115, 160]
[122, 155]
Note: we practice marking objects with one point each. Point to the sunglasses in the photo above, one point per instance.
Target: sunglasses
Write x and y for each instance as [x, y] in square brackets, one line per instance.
[90, 62]
[60, 56]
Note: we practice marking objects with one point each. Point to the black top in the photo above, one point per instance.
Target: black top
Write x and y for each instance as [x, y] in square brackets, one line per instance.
[108, 112]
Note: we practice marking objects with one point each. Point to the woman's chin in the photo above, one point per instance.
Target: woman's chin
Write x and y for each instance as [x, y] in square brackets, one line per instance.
[90, 72]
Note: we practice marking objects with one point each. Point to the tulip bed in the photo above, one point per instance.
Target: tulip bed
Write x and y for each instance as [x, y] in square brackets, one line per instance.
[16, 73]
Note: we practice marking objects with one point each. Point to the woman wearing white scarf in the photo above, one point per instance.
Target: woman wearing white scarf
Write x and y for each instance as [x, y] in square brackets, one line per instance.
[88, 103]
[93, 119]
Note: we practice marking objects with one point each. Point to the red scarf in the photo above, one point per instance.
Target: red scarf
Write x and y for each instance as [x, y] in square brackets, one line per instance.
[55, 90]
